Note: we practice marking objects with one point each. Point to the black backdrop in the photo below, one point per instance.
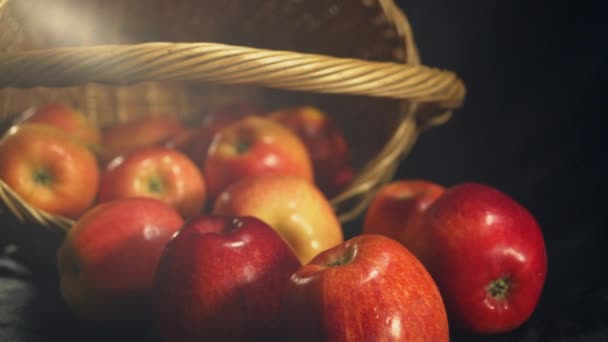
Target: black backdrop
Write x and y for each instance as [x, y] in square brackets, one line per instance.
[531, 126]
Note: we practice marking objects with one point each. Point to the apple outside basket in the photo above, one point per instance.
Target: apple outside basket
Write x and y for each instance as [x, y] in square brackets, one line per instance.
[117, 59]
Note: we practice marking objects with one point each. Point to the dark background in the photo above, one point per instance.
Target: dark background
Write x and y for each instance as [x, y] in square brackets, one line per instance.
[531, 126]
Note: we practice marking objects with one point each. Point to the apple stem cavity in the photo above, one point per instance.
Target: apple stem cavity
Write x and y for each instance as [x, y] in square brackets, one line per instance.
[43, 177]
[156, 185]
[499, 288]
[242, 147]
[343, 259]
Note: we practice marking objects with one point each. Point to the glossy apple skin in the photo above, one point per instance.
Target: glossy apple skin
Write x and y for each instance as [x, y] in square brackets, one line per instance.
[480, 235]
[152, 130]
[155, 172]
[49, 169]
[291, 205]
[325, 143]
[196, 145]
[397, 211]
[370, 288]
[108, 259]
[254, 146]
[66, 118]
[222, 279]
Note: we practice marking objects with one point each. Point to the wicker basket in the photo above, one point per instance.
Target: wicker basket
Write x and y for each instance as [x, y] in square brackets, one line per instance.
[116, 59]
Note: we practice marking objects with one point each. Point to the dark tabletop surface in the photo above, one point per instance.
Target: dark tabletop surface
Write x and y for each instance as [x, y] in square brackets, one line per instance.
[532, 126]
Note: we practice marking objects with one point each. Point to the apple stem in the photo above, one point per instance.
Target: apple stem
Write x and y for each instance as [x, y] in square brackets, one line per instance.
[499, 288]
[242, 147]
[42, 177]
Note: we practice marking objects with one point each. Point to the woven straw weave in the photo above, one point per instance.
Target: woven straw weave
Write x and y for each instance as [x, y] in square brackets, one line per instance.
[117, 59]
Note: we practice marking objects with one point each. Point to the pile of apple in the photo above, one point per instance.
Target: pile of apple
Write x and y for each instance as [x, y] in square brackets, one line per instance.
[59, 162]
[223, 231]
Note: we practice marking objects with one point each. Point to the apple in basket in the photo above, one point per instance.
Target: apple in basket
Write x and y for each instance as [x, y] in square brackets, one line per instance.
[369, 288]
[254, 146]
[222, 279]
[151, 130]
[108, 259]
[291, 205]
[195, 142]
[156, 172]
[49, 169]
[66, 118]
[325, 143]
[487, 256]
[397, 211]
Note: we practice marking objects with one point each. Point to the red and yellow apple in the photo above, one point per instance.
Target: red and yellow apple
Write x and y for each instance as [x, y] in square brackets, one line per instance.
[291, 205]
[397, 211]
[155, 172]
[195, 142]
[142, 131]
[222, 279]
[369, 288]
[325, 143]
[66, 118]
[49, 169]
[487, 256]
[254, 146]
[108, 259]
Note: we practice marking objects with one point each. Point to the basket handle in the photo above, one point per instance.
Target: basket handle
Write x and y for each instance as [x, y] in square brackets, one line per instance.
[228, 64]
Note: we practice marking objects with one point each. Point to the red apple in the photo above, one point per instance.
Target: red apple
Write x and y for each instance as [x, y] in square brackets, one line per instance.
[338, 181]
[254, 146]
[143, 131]
[369, 288]
[161, 173]
[222, 279]
[66, 118]
[397, 211]
[195, 142]
[181, 140]
[325, 143]
[49, 169]
[488, 258]
[109, 257]
[291, 205]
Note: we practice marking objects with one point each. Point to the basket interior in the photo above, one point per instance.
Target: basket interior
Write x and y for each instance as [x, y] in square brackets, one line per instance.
[341, 28]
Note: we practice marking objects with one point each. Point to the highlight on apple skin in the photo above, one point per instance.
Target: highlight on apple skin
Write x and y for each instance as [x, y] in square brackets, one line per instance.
[108, 259]
[488, 258]
[51, 170]
[291, 205]
[222, 278]
[369, 288]
[155, 172]
[254, 146]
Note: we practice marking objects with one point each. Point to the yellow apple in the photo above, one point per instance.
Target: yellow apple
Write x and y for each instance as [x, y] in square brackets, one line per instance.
[51, 170]
[293, 206]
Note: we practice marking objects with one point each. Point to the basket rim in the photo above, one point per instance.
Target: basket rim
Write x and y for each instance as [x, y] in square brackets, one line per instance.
[23, 210]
